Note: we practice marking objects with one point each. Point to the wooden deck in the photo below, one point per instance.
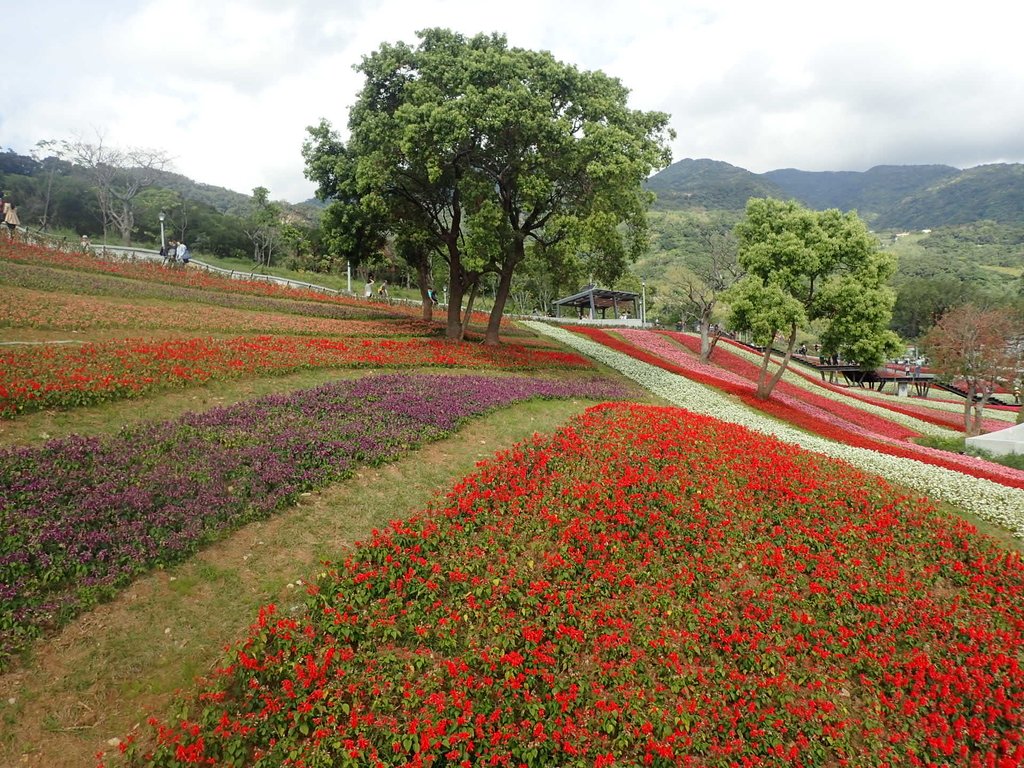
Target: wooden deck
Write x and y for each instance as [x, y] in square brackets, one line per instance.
[856, 376]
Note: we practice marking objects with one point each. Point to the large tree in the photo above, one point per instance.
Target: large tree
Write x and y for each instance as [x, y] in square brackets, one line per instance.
[485, 148]
[802, 266]
[565, 156]
[975, 347]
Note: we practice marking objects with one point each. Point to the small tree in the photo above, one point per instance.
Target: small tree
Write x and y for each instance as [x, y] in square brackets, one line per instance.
[709, 276]
[49, 154]
[974, 346]
[263, 226]
[802, 265]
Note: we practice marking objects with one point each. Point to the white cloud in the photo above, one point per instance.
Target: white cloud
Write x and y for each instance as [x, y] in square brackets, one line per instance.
[228, 88]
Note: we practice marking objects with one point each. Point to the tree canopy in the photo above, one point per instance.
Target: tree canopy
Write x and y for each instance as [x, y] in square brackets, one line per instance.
[488, 150]
[801, 266]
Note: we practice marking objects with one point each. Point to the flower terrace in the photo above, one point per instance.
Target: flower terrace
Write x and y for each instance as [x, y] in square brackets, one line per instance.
[646, 587]
[711, 580]
[83, 516]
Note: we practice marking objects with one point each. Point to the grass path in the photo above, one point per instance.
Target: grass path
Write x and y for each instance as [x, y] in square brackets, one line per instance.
[107, 670]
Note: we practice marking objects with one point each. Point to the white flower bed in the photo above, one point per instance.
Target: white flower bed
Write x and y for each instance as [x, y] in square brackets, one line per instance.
[984, 498]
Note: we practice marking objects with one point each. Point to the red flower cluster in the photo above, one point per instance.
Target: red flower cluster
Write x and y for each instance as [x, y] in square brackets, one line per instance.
[645, 587]
[808, 411]
[151, 271]
[67, 376]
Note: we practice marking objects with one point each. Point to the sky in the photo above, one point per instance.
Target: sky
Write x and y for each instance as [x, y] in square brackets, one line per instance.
[226, 88]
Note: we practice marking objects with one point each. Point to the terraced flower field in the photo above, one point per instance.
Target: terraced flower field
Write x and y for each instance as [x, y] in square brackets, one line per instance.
[696, 579]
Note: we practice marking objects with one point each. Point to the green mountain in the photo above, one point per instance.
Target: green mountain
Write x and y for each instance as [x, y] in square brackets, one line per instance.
[886, 196]
[958, 235]
[984, 193]
[871, 193]
[708, 184]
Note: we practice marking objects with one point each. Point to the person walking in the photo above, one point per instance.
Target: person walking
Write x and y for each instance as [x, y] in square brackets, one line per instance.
[11, 218]
[368, 288]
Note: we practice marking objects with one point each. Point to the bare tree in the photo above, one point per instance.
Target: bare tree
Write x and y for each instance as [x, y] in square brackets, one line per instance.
[697, 288]
[118, 175]
[974, 346]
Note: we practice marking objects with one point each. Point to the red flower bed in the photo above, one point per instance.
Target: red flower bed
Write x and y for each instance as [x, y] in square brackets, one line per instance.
[152, 271]
[646, 587]
[742, 372]
[939, 418]
[72, 375]
[23, 308]
[823, 425]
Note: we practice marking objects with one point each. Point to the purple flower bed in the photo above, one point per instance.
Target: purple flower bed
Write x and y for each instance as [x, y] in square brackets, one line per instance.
[82, 516]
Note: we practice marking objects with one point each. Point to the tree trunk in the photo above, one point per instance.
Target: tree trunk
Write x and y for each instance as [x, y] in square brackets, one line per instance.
[423, 274]
[713, 344]
[968, 404]
[501, 294]
[705, 333]
[469, 310]
[979, 412]
[46, 204]
[456, 290]
[766, 385]
[126, 223]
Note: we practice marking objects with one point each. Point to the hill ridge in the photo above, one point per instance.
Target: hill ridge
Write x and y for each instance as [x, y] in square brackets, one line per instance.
[886, 196]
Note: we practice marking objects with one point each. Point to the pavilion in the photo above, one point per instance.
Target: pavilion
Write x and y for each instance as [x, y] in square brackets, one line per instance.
[591, 300]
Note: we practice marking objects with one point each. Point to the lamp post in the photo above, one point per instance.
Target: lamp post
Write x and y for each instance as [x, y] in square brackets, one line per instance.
[643, 303]
[163, 243]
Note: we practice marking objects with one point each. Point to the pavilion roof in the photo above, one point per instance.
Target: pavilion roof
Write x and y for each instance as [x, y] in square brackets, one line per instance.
[602, 297]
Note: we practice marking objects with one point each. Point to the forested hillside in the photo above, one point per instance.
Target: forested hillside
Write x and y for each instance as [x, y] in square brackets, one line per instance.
[958, 234]
[709, 184]
[873, 193]
[886, 196]
[56, 196]
[985, 193]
